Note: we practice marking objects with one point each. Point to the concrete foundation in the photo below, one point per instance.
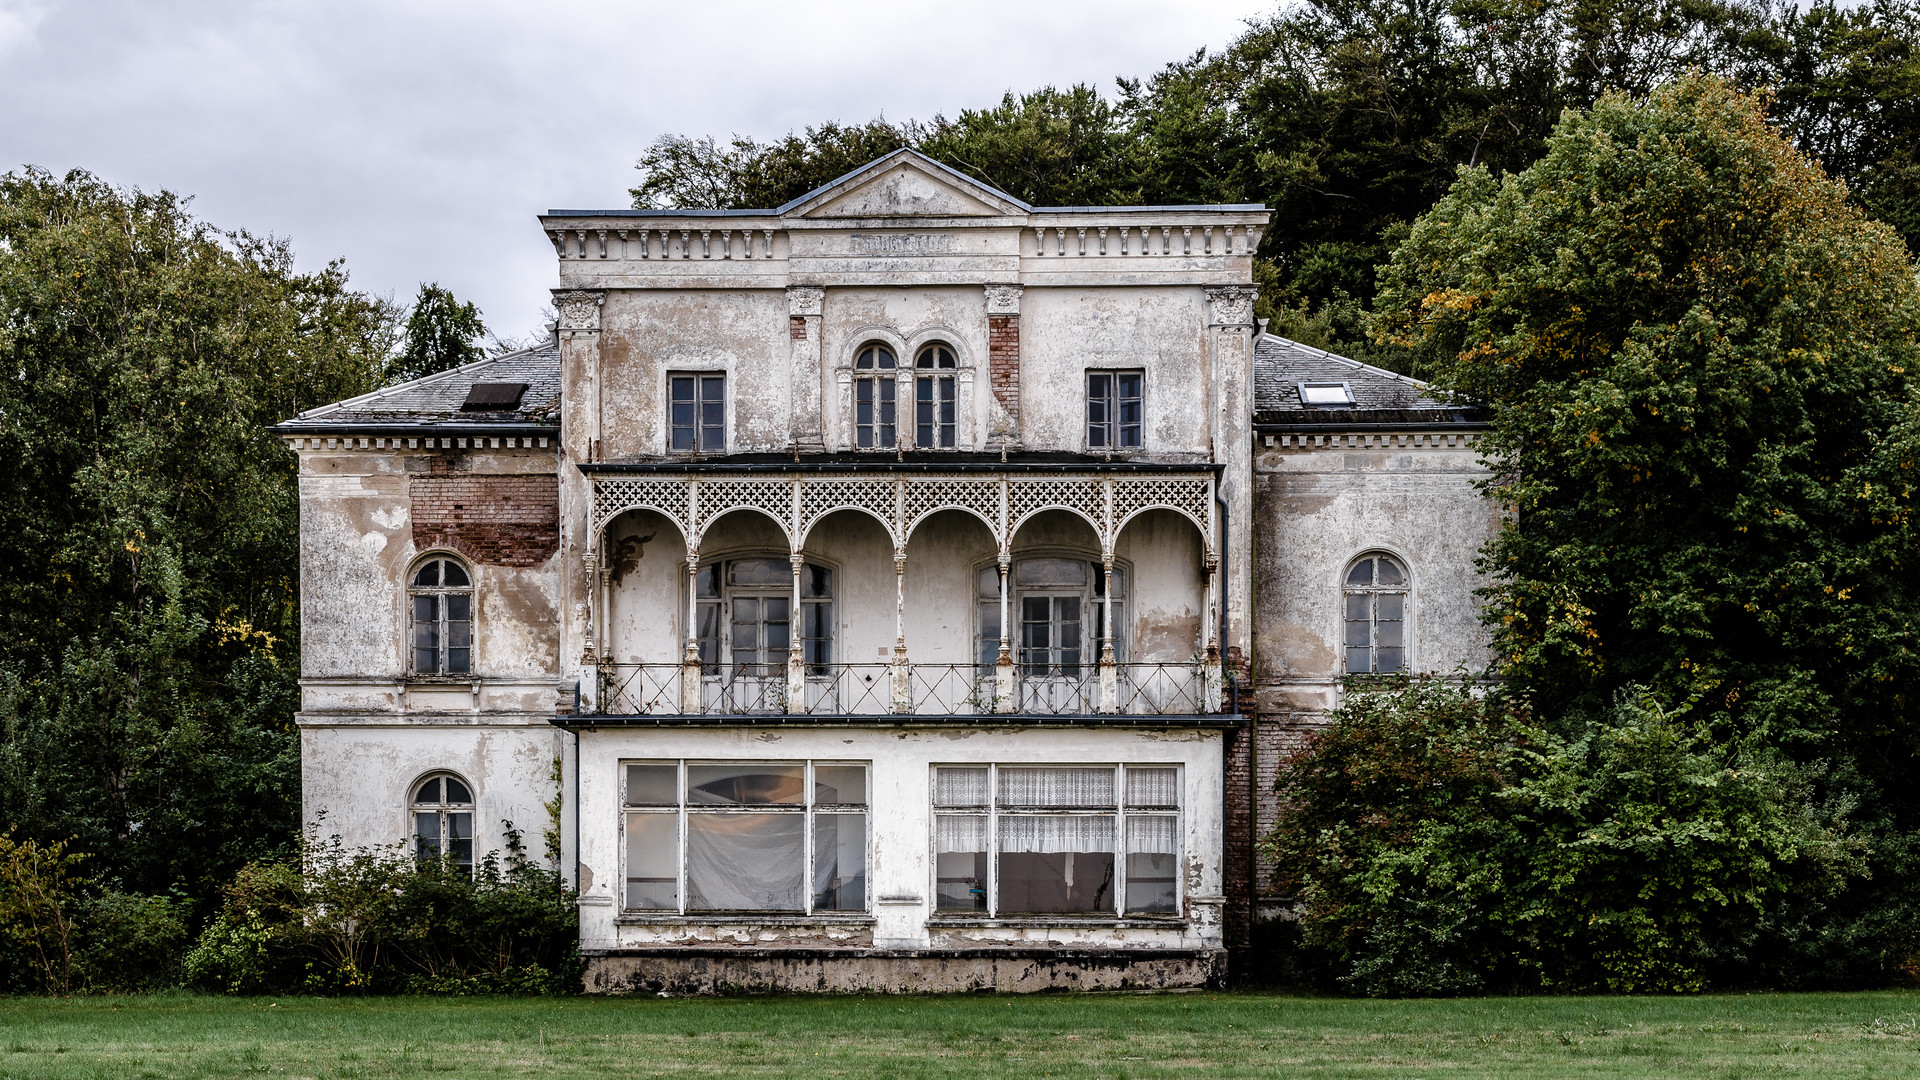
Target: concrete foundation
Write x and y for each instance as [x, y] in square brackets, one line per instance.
[853, 971]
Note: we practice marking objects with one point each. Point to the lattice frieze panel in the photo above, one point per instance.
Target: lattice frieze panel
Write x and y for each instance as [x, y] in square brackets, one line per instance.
[775, 497]
[1191, 495]
[821, 497]
[1087, 495]
[927, 494]
[613, 497]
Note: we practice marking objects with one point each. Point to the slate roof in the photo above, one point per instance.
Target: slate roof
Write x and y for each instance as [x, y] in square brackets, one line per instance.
[1380, 397]
[433, 403]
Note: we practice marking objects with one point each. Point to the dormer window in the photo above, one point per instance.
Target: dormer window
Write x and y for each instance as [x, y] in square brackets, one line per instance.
[1325, 393]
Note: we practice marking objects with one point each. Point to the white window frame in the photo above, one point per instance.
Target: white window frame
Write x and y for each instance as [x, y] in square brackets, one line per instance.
[809, 810]
[472, 592]
[1373, 592]
[1121, 814]
[1346, 389]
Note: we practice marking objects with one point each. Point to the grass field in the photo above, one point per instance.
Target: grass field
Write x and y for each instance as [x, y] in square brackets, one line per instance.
[1186, 1035]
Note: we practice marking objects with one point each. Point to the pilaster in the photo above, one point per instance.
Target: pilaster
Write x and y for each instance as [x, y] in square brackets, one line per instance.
[1230, 345]
[805, 304]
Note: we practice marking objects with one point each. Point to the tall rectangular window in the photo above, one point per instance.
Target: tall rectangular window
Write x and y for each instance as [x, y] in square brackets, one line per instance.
[774, 836]
[1114, 410]
[697, 408]
[1056, 839]
[933, 399]
[874, 413]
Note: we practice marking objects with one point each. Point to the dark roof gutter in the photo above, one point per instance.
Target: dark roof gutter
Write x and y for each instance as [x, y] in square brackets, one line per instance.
[324, 427]
[594, 721]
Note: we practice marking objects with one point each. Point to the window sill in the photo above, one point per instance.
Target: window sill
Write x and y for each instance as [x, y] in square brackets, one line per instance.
[648, 918]
[1032, 922]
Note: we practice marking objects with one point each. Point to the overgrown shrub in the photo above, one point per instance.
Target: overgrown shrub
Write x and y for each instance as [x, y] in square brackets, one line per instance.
[374, 920]
[61, 931]
[1437, 842]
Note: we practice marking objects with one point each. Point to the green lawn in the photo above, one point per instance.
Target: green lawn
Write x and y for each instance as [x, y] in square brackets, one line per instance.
[1185, 1035]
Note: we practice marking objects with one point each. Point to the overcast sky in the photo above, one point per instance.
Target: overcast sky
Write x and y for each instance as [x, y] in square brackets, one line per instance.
[418, 139]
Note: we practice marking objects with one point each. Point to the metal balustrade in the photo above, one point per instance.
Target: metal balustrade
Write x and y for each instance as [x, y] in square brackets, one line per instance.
[882, 689]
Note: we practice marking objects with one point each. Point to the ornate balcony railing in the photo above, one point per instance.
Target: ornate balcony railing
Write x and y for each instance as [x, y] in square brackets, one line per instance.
[892, 689]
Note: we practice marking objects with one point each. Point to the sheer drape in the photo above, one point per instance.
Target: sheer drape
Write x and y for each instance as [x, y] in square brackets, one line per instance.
[1152, 835]
[1064, 787]
[960, 787]
[952, 832]
[1153, 787]
[1051, 834]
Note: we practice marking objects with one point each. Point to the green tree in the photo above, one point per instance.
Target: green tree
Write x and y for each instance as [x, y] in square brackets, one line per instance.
[1697, 350]
[441, 334]
[148, 523]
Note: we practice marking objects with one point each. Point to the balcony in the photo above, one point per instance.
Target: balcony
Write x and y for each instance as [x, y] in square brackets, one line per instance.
[1191, 688]
[1084, 591]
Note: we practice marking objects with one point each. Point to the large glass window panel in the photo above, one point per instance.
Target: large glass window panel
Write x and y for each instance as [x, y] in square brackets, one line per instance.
[960, 861]
[782, 784]
[745, 862]
[839, 862]
[1055, 864]
[653, 785]
[1152, 844]
[840, 785]
[653, 857]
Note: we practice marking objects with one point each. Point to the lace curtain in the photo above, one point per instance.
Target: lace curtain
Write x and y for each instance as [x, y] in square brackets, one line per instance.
[1051, 834]
[1152, 834]
[960, 787]
[1062, 787]
[954, 833]
[1153, 787]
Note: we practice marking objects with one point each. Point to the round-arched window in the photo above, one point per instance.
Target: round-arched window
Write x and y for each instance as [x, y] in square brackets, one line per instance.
[443, 820]
[441, 594]
[1376, 615]
[875, 414]
[934, 399]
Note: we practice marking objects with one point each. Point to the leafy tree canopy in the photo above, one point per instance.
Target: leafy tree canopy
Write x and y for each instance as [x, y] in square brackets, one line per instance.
[148, 527]
[441, 333]
[1699, 353]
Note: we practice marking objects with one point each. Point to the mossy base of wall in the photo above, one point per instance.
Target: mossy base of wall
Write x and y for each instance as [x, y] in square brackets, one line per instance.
[890, 971]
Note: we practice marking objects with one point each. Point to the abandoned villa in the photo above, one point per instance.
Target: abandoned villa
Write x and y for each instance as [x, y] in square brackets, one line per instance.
[903, 588]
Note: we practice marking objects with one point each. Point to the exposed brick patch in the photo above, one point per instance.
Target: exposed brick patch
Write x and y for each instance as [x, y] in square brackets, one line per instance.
[1251, 814]
[797, 327]
[497, 520]
[1003, 359]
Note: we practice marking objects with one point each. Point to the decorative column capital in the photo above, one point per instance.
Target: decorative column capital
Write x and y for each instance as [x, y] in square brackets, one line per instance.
[805, 299]
[579, 310]
[1231, 306]
[1003, 299]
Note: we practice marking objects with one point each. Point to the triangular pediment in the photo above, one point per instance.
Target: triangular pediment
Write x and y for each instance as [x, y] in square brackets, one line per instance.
[905, 183]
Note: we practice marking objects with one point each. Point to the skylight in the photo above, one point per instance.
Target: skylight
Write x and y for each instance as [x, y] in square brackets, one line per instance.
[493, 397]
[1325, 393]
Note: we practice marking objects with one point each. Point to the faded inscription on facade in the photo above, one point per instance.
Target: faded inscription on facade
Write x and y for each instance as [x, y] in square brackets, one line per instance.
[903, 244]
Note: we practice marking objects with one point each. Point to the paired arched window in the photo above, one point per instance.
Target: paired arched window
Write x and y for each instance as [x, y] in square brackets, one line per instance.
[1376, 615]
[440, 594]
[936, 398]
[443, 820]
[874, 409]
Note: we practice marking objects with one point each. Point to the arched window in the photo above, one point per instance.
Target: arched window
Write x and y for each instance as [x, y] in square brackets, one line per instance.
[443, 820]
[1060, 612]
[1376, 615]
[746, 612]
[933, 399]
[442, 597]
[873, 399]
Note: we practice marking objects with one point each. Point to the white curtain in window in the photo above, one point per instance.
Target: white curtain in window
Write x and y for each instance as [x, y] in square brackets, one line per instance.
[1048, 835]
[1152, 835]
[745, 862]
[953, 833]
[1153, 787]
[1092, 788]
[960, 787]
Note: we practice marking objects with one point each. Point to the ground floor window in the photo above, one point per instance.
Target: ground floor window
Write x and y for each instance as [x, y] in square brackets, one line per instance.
[443, 820]
[768, 836]
[1056, 839]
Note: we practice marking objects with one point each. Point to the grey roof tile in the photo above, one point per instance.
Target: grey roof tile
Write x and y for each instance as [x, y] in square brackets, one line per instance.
[1280, 365]
[434, 401]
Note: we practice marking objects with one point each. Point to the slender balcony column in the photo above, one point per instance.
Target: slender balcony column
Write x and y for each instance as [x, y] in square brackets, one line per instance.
[1210, 664]
[1109, 667]
[902, 671]
[588, 652]
[796, 657]
[1003, 664]
[690, 664]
